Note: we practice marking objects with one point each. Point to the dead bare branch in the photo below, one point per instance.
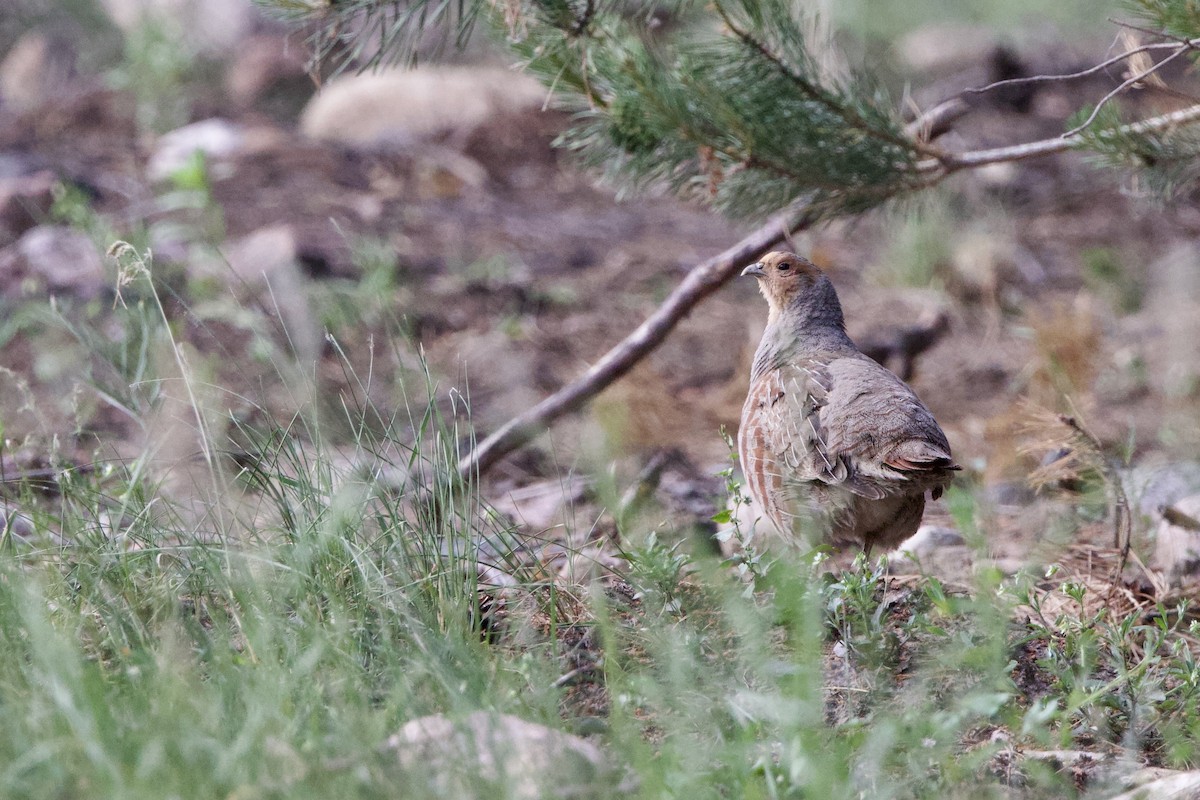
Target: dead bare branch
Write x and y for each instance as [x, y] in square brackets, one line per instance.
[945, 163]
[937, 120]
[899, 349]
[1176, 517]
[1140, 76]
[1070, 76]
[702, 281]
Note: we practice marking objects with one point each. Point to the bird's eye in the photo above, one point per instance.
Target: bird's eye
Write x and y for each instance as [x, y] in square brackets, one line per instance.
[784, 267]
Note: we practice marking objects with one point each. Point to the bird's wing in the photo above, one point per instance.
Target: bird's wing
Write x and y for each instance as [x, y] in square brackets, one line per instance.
[847, 422]
[877, 423]
[790, 401]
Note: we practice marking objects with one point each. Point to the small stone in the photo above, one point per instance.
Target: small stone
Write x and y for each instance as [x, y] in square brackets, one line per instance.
[924, 546]
[929, 538]
[24, 199]
[215, 138]
[61, 259]
[35, 70]
[934, 550]
[259, 256]
[1177, 540]
[486, 751]
[14, 523]
[400, 106]
[266, 266]
[945, 47]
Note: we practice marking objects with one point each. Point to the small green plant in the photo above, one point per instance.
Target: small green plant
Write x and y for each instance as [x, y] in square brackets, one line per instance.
[751, 563]
[369, 301]
[854, 608]
[659, 569]
[1113, 278]
[73, 208]
[193, 215]
[158, 63]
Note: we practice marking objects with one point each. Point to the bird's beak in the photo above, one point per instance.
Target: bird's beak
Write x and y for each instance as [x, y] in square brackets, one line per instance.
[755, 269]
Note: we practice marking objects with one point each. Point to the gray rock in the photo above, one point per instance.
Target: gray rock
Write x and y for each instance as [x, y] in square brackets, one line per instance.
[944, 47]
[935, 550]
[260, 257]
[1177, 540]
[399, 106]
[60, 259]
[215, 138]
[500, 755]
[36, 69]
[929, 538]
[265, 266]
[14, 523]
[24, 199]
[1152, 488]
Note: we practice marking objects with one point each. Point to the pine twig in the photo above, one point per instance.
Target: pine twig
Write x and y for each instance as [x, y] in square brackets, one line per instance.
[1152, 32]
[813, 90]
[702, 281]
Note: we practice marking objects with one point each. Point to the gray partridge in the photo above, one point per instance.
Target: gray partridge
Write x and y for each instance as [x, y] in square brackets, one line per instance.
[828, 436]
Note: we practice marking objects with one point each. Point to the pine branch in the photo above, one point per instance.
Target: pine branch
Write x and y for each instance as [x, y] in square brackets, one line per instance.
[809, 88]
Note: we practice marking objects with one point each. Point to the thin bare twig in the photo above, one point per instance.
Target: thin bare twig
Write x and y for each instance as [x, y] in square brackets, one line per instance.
[1153, 68]
[1152, 32]
[1075, 75]
[702, 281]
[946, 163]
[566, 678]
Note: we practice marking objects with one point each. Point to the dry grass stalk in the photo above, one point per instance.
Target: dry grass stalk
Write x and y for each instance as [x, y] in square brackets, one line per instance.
[1078, 452]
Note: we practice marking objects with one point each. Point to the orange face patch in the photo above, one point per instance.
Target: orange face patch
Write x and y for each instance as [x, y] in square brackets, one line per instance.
[781, 276]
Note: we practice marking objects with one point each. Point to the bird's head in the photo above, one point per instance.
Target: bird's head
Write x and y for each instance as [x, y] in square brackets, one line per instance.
[783, 277]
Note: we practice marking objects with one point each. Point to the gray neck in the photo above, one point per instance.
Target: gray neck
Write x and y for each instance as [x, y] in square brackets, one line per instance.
[811, 323]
